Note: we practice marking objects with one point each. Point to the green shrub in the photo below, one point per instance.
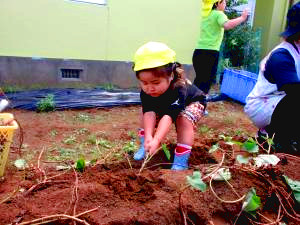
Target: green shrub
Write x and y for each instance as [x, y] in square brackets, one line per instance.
[10, 89]
[241, 46]
[46, 104]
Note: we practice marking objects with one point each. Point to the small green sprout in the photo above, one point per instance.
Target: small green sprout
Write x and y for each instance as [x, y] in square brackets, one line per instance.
[80, 165]
[250, 146]
[70, 140]
[132, 134]
[166, 151]
[252, 202]
[130, 147]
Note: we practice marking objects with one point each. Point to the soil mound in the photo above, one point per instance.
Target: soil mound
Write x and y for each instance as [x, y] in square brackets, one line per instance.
[121, 194]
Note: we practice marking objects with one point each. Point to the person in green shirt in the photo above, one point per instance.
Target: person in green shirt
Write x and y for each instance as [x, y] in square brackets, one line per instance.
[206, 55]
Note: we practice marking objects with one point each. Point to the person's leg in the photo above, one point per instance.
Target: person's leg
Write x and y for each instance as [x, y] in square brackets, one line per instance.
[285, 123]
[185, 125]
[202, 74]
[140, 154]
[185, 131]
[215, 61]
[205, 64]
[185, 139]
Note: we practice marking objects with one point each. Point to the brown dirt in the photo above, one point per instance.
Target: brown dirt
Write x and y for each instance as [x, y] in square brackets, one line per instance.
[115, 193]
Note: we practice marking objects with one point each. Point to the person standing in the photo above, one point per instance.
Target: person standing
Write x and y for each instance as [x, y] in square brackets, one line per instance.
[206, 55]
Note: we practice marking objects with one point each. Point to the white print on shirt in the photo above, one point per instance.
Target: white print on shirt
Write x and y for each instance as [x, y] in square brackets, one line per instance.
[176, 102]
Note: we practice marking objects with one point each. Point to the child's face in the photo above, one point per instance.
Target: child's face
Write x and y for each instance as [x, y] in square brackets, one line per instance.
[153, 85]
[221, 6]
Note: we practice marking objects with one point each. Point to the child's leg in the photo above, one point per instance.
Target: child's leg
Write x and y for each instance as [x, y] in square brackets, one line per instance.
[185, 138]
[185, 131]
[140, 154]
[185, 125]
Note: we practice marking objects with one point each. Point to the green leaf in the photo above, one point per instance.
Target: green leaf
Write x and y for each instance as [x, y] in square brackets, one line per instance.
[250, 146]
[228, 140]
[214, 148]
[21, 164]
[225, 138]
[196, 182]
[166, 151]
[295, 186]
[130, 147]
[242, 160]
[265, 160]
[252, 202]
[80, 165]
[46, 104]
[222, 174]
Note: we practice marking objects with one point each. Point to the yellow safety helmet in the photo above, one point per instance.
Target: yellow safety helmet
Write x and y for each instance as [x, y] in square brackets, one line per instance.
[207, 6]
[153, 54]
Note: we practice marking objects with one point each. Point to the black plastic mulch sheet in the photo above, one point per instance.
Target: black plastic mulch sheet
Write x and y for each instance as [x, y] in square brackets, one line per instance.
[70, 98]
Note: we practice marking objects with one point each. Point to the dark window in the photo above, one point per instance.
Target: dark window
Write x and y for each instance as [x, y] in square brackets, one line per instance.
[71, 73]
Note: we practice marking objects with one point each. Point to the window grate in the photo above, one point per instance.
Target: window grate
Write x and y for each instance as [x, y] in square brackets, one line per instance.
[71, 73]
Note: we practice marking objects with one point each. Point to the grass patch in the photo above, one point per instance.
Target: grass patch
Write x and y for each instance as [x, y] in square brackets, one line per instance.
[46, 104]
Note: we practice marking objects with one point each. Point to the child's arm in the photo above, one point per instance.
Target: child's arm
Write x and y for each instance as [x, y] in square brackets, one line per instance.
[237, 21]
[149, 120]
[161, 132]
[163, 128]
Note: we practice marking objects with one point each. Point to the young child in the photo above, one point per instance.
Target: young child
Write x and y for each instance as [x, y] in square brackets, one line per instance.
[166, 97]
[206, 55]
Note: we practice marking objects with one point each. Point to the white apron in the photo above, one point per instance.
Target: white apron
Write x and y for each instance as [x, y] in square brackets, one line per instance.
[263, 99]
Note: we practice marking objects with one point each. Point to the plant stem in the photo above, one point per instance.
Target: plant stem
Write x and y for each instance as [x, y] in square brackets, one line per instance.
[147, 159]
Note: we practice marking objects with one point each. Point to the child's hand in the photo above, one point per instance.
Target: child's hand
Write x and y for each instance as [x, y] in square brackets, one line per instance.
[148, 140]
[152, 145]
[245, 14]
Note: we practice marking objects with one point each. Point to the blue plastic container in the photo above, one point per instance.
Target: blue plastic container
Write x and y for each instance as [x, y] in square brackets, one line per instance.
[237, 84]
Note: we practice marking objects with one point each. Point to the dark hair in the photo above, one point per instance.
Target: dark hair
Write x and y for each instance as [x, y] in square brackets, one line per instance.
[215, 5]
[295, 37]
[166, 71]
[293, 23]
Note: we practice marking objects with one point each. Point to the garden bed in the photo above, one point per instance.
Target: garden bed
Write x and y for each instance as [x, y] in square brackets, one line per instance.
[114, 190]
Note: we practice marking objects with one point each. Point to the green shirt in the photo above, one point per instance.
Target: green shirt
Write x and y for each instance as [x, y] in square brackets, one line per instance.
[212, 31]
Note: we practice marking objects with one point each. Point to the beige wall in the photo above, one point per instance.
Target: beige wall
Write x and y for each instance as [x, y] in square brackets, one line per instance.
[270, 15]
[66, 29]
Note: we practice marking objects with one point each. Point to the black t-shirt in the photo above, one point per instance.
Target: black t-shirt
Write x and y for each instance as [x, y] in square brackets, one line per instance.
[172, 102]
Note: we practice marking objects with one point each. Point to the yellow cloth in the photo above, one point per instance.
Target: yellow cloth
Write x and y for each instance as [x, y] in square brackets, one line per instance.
[207, 7]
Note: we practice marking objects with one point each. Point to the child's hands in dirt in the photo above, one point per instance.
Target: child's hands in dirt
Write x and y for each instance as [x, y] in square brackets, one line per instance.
[151, 145]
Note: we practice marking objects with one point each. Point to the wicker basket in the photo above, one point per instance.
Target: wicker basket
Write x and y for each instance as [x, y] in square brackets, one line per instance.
[6, 138]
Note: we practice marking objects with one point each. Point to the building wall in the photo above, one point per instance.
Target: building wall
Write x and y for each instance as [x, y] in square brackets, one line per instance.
[270, 15]
[27, 72]
[72, 30]
[39, 37]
